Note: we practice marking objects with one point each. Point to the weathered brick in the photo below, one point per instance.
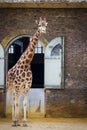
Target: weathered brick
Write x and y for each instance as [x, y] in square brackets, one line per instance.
[72, 24]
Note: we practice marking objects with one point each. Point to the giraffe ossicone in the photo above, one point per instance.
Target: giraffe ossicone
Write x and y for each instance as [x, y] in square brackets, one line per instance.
[19, 77]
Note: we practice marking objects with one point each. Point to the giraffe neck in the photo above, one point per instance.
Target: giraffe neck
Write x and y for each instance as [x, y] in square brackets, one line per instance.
[28, 55]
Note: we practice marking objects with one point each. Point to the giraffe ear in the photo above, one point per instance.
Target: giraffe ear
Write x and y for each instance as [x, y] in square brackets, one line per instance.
[40, 19]
[45, 19]
[46, 23]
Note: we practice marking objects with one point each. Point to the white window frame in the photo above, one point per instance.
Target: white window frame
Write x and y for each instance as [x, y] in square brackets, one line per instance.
[2, 68]
[54, 65]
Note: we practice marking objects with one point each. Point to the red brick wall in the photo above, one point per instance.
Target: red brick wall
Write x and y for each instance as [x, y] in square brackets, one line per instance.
[72, 24]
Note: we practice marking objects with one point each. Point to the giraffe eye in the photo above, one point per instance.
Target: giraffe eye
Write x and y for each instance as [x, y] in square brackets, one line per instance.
[39, 25]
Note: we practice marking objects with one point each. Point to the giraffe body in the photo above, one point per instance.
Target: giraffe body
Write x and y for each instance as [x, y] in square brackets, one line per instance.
[19, 77]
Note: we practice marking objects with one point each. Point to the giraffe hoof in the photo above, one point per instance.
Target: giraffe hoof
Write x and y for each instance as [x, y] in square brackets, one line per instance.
[25, 125]
[18, 124]
[14, 125]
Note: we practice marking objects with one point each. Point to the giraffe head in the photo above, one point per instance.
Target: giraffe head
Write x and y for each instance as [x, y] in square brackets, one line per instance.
[42, 24]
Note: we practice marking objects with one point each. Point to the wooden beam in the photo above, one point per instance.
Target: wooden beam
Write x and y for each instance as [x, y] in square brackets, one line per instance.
[44, 5]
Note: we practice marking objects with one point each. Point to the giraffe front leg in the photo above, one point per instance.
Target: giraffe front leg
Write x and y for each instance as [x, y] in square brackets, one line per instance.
[25, 110]
[13, 107]
[17, 111]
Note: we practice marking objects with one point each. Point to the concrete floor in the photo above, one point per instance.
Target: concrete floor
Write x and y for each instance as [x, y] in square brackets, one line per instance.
[48, 124]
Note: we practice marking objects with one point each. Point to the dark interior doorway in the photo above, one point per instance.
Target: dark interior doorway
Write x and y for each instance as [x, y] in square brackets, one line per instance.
[37, 65]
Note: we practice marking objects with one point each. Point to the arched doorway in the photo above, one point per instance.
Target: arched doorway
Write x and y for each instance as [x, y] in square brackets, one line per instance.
[36, 95]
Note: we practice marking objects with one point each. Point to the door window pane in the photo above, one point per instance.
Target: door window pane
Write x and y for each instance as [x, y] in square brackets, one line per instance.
[54, 60]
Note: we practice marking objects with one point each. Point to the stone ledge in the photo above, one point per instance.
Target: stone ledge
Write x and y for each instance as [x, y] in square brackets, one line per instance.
[44, 5]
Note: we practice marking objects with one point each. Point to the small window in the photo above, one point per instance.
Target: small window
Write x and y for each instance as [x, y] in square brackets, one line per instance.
[39, 48]
[11, 49]
[56, 50]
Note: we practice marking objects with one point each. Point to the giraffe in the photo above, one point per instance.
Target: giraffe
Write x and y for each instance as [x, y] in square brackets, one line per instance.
[19, 77]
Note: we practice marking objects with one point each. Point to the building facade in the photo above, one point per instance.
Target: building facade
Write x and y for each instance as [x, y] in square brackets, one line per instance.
[62, 91]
